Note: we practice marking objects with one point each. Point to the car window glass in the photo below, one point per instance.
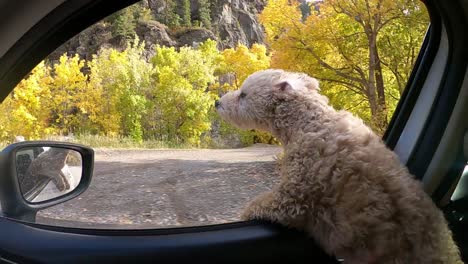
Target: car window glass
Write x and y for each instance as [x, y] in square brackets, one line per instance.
[461, 191]
[140, 86]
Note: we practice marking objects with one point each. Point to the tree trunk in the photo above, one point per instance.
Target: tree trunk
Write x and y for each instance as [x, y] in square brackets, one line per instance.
[372, 97]
[376, 85]
[382, 103]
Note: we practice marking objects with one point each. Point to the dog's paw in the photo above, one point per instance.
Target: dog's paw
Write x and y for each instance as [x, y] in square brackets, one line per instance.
[259, 208]
[61, 181]
[249, 213]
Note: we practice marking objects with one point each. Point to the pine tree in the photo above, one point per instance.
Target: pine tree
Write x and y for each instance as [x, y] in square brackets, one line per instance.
[204, 13]
[169, 15]
[123, 23]
[172, 19]
[186, 18]
[305, 10]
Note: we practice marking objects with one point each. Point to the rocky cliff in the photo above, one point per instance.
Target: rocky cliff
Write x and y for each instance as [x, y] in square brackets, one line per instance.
[232, 22]
[235, 21]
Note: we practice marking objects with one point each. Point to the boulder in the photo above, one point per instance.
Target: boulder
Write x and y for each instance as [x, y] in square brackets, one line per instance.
[235, 21]
[154, 33]
[194, 36]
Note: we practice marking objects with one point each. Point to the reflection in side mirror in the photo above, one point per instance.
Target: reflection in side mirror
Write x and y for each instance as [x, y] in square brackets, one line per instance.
[40, 174]
[45, 173]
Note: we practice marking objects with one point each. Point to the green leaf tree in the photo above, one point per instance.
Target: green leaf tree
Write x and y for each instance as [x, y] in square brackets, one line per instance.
[68, 87]
[182, 101]
[25, 110]
[122, 82]
[342, 43]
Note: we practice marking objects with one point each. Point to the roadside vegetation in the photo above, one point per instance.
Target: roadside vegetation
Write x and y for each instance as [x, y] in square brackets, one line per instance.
[362, 52]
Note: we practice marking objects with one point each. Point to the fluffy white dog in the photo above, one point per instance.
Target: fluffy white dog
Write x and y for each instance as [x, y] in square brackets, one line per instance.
[339, 182]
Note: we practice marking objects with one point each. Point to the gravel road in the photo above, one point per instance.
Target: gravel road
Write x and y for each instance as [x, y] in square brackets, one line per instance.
[168, 188]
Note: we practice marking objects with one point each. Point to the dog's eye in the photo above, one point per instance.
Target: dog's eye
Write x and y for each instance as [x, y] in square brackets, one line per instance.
[242, 95]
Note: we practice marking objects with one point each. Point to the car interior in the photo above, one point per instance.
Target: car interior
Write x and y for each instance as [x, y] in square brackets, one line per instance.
[429, 132]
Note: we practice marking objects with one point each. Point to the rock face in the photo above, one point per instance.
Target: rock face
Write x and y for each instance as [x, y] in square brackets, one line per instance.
[154, 33]
[235, 21]
[86, 43]
[194, 36]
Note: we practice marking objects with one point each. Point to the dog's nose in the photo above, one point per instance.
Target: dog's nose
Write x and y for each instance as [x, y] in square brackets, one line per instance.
[217, 104]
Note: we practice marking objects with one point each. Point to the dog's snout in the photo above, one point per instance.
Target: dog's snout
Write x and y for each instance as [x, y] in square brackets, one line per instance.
[217, 103]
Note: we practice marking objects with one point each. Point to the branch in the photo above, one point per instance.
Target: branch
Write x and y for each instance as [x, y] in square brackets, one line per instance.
[362, 74]
[347, 91]
[342, 10]
[384, 23]
[368, 11]
[357, 89]
[356, 105]
[326, 65]
[391, 95]
[354, 67]
[397, 75]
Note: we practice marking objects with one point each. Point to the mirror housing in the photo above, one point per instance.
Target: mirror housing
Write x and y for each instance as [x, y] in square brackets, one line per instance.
[13, 203]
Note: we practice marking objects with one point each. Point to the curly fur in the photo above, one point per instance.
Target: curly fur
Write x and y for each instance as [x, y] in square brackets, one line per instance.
[339, 182]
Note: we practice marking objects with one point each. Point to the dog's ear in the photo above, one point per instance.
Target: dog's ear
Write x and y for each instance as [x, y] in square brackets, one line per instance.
[284, 86]
[289, 84]
[298, 81]
[309, 82]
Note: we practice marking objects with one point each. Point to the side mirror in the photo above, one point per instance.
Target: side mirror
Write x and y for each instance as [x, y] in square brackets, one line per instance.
[40, 174]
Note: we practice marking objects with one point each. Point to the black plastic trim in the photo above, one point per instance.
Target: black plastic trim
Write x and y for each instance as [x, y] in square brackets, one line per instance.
[248, 243]
[452, 176]
[57, 27]
[143, 232]
[455, 24]
[416, 80]
[229, 243]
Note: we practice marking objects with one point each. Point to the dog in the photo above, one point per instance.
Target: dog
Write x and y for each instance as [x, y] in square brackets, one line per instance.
[339, 182]
[49, 164]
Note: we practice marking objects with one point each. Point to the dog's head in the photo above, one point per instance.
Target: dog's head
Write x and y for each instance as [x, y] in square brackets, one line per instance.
[253, 105]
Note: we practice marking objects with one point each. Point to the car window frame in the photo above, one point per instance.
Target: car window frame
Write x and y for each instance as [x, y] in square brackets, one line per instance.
[61, 25]
[25, 57]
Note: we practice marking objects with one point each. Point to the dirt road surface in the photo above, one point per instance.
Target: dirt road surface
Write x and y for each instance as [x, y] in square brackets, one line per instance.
[168, 188]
